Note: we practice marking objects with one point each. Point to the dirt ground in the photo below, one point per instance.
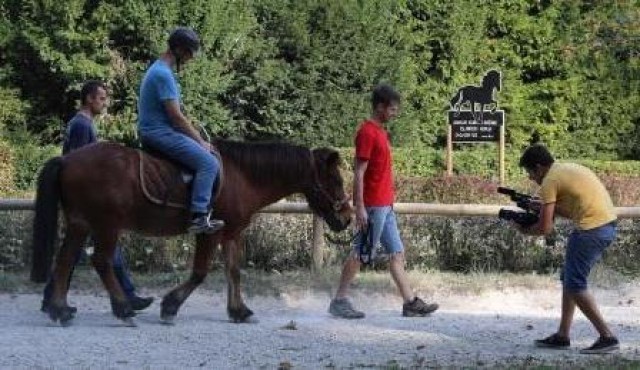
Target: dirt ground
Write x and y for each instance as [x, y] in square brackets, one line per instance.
[491, 328]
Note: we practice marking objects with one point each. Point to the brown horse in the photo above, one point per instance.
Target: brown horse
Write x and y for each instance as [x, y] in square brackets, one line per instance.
[101, 194]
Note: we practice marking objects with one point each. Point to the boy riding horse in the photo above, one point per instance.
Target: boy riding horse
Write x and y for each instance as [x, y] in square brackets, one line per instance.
[163, 127]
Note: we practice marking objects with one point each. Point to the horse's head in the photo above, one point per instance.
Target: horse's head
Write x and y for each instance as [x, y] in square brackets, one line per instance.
[492, 80]
[325, 193]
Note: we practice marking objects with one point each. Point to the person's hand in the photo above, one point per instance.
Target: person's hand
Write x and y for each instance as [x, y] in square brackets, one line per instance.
[535, 204]
[362, 219]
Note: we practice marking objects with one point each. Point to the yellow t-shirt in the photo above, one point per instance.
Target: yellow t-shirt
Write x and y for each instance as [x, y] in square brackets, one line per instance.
[579, 195]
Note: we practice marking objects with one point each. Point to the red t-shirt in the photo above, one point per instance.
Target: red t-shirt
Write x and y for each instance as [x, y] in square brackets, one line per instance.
[372, 144]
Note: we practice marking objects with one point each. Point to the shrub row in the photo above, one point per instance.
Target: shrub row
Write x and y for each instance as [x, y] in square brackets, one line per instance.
[283, 242]
[482, 161]
[22, 160]
[6, 168]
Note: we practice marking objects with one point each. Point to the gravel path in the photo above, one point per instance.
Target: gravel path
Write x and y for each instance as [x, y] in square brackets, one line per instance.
[495, 328]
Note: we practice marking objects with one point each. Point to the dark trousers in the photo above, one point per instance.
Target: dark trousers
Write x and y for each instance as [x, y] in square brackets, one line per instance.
[119, 267]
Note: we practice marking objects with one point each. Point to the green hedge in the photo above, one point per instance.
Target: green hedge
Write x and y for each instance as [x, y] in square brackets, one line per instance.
[303, 70]
[27, 161]
[6, 169]
[482, 161]
[283, 242]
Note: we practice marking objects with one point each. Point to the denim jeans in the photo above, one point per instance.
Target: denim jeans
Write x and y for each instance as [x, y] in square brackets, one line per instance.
[119, 267]
[190, 154]
[584, 249]
[384, 231]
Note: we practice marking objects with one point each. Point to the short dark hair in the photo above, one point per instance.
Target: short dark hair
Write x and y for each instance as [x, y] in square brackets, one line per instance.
[90, 88]
[534, 155]
[384, 94]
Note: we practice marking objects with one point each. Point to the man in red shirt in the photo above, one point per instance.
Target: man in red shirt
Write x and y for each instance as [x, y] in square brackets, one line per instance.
[373, 199]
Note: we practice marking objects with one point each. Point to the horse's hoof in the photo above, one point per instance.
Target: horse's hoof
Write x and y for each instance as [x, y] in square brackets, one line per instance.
[66, 323]
[122, 310]
[167, 319]
[67, 317]
[169, 308]
[129, 322]
[62, 314]
[248, 320]
[240, 315]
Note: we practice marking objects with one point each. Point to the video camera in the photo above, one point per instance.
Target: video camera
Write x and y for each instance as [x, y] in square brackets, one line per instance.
[527, 218]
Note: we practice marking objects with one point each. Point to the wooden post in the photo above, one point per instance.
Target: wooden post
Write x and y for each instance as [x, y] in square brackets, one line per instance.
[449, 151]
[501, 154]
[317, 252]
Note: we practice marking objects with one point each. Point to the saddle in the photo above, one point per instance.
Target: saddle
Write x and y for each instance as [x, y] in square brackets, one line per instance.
[167, 183]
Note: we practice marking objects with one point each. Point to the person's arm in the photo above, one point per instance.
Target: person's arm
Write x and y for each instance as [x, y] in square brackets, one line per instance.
[544, 226]
[364, 149]
[358, 193]
[182, 123]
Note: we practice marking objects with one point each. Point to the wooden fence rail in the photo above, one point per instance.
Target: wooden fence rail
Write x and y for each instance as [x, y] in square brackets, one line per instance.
[434, 209]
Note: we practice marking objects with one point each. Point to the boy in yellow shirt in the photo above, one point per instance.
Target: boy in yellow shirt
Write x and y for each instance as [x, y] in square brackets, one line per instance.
[575, 192]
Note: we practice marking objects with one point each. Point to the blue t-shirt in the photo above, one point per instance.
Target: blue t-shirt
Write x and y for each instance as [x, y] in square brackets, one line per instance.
[158, 85]
[80, 132]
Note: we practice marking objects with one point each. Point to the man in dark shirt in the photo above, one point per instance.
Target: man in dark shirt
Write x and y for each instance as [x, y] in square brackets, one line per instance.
[80, 132]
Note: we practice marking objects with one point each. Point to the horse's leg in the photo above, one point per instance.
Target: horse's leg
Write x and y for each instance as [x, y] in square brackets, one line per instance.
[205, 250]
[473, 110]
[236, 309]
[105, 243]
[75, 236]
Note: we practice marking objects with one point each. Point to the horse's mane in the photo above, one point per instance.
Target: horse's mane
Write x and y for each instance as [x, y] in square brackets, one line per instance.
[267, 161]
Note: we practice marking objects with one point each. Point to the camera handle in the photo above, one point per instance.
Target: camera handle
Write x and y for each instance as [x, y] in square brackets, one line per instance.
[365, 252]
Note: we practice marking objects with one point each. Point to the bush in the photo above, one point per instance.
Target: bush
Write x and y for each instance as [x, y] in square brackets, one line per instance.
[15, 239]
[481, 161]
[28, 158]
[473, 245]
[283, 242]
[6, 169]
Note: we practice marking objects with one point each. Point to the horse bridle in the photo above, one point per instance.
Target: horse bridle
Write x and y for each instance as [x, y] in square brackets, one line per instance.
[336, 204]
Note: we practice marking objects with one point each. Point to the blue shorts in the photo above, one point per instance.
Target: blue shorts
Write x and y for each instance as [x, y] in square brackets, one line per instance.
[584, 249]
[384, 231]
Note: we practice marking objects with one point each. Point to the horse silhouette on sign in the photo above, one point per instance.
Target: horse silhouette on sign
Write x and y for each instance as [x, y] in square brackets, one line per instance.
[482, 95]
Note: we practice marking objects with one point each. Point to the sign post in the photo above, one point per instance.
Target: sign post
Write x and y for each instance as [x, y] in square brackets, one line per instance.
[468, 125]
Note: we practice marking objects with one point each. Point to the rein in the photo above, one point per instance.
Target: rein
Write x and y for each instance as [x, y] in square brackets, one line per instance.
[336, 204]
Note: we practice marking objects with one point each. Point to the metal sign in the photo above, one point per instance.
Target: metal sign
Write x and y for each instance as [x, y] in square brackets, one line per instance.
[474, 118]
[466, 129]
[470, 124]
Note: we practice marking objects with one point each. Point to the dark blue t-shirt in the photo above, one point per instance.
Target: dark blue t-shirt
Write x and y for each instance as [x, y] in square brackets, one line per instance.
[80, 132]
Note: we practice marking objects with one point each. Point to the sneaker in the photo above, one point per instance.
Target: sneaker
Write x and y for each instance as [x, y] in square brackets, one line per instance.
[553, 341]
[342, 307]
[140, 303]
[201, 223]
[45, 307]
[602, 345]
[418, 307]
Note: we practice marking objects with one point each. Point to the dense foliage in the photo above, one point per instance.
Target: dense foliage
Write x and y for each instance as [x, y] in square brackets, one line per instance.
[302, 70]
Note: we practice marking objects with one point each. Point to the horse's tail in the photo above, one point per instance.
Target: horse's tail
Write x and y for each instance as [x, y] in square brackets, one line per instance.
[456, 100]
[45, 220]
